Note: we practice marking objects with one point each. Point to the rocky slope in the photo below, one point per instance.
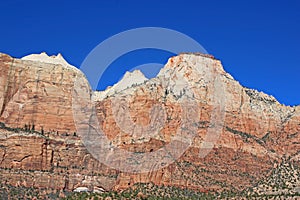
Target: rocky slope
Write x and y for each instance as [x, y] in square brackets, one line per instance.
[238, 134]
[283, 179]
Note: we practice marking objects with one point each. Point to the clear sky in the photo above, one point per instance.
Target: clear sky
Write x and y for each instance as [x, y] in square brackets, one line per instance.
[257, 41]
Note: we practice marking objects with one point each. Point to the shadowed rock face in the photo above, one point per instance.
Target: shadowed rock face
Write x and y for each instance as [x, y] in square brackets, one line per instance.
[256, 131]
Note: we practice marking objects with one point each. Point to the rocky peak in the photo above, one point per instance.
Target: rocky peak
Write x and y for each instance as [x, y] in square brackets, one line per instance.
[192, 62]
[45, 58]
[130, 79]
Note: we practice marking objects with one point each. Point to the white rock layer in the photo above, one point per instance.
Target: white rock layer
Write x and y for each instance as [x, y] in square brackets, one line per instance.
[43, 57]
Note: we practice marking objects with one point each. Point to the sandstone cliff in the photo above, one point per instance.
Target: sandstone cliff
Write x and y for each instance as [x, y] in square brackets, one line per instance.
[37, 92]
[240, 133]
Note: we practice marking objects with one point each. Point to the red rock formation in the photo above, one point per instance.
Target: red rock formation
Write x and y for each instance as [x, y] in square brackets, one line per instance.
[36, 93]
[256, 130]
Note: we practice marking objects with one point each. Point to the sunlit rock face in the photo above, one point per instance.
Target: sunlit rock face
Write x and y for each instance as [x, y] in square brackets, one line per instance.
[36, 91]
[239, 132]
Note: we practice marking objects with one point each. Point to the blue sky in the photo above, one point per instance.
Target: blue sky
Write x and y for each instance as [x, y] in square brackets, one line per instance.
[257, 41]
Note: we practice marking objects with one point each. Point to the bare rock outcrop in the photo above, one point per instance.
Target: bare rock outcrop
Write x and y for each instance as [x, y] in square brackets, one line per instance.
[245, 131]
[37, 93]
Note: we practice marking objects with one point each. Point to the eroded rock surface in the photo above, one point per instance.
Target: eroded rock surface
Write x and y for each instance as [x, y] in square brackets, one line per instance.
[256, 131]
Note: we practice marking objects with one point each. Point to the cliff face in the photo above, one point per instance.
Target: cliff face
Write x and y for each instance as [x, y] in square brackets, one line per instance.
[239, 133]
[36, 93]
